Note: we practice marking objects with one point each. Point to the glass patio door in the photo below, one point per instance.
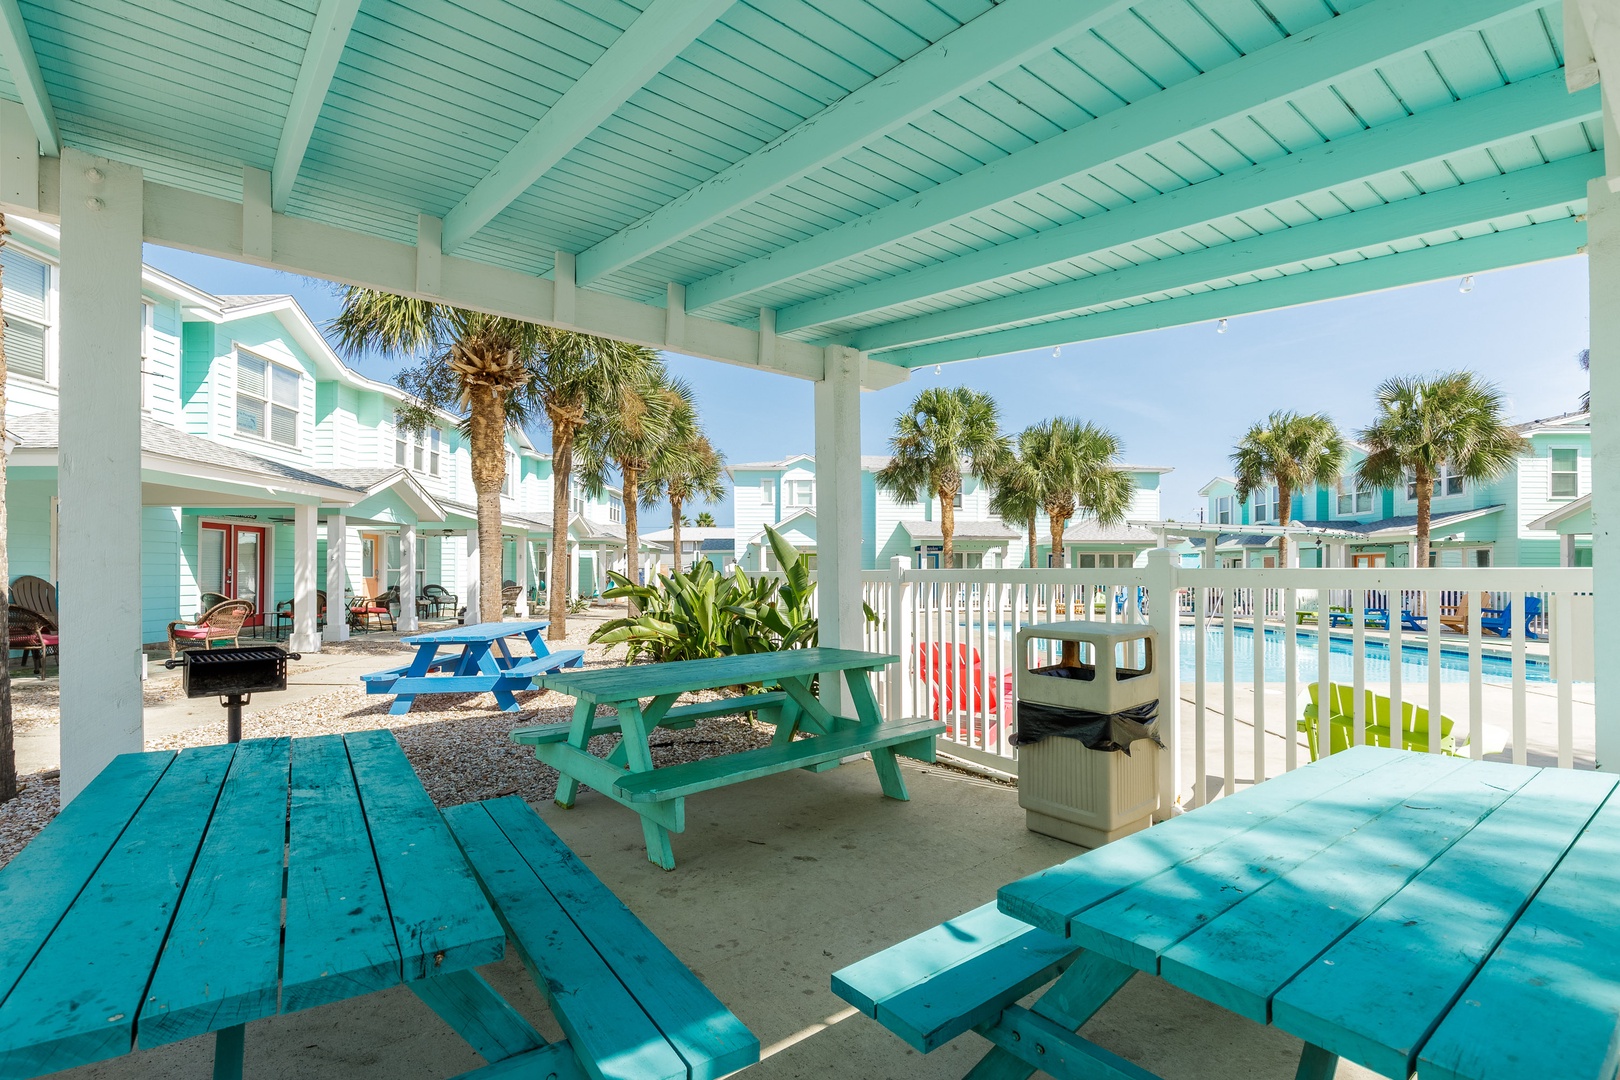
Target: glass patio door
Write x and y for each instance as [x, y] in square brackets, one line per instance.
[231, 562]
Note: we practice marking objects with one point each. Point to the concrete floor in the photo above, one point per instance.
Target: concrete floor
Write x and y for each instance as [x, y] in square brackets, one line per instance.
[781, 882]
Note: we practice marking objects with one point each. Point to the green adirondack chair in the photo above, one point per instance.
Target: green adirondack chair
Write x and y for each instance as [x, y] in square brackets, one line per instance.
[1375, 710]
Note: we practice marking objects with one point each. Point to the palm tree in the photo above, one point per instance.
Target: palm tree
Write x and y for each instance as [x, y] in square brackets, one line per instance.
[688, 469]
[8, 752]
[705, 520]
[1074, 464]
[944, 428]
[1292, 450]
[575, 378]
[1451, 422]
[652, 410]
[1016, 494]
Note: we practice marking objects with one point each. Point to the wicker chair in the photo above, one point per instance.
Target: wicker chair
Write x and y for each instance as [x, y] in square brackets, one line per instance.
[362, 609]
[285, 612]
[220, 623]
[32, 633]
[37, 595]
[210, 600]
[437, 597]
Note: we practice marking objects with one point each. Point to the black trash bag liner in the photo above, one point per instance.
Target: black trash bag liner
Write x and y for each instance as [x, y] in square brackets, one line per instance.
[1109, 732]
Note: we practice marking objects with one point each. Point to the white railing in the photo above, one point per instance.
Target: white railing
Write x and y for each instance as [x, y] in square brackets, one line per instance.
[1255, 655]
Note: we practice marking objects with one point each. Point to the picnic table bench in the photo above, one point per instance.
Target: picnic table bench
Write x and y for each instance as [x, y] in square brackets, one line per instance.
[1412, 913]
[186, 893]
[658, 795]
[478, 661]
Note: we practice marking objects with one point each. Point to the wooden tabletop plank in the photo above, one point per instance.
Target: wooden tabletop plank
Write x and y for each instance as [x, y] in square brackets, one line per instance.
[79, 999]
[39, 884]
[1239, 959]
[221, 964]
[712, 1041]
[1138, 925]
[441, 919]
[682, 676]
[1547, 1001]
[339, 938]
[477, 632]
[1051, 897]
[1424, 943]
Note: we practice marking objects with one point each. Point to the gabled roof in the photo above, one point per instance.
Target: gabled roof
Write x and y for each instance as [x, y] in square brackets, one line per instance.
[966, 529]
[1553, 518]
[1580, 420]
[1205, 490]
[408, 487]
[1088, 531]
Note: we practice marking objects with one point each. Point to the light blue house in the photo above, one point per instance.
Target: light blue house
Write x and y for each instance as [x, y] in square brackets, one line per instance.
[247, 416]
[1517, 520]
[783, 494]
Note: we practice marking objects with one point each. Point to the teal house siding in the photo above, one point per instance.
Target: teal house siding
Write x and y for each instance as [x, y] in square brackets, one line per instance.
[160, 570]
[28, 512]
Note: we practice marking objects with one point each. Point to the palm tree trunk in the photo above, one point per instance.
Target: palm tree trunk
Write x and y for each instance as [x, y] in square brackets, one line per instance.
[8, 753]
[486, 422]
[1285, 514]
[1033, 538]
[632, 533]
[947, 527]
[1425, 493]
[675, 529]
[1058, 525]
[562, 472]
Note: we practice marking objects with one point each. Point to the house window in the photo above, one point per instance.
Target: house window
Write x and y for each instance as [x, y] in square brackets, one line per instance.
[266, 399]
[1223, 510]
[615, 508]
[799, 492]
[393, 554]
[1447, 483]
[435, 441]
[401, 447]
[147, 395]
[421, 565]
[1354, 498]
[509, 484]
[419, 451]
[27, 285]
[1565, 474]
[1265, 504]
[767, 492]
[576, 500]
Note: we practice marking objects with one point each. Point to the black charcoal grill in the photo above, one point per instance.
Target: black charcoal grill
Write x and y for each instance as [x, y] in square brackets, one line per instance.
[233, 676]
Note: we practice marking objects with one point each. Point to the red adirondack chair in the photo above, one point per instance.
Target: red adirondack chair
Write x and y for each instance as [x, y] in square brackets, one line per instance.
[965, 677]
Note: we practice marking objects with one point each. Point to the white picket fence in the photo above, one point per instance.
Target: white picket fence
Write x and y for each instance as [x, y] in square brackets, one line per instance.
[954, 633]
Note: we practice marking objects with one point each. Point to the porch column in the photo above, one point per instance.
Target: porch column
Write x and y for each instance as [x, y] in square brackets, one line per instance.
[469, 592]
[337, 578]
[1292, 561]
[600, 569]
[407, 578]
[571, 586]
[1566, 549]
[1603, 270]
[305, 581]
[838, 505]
[521, 575]
[99, 471]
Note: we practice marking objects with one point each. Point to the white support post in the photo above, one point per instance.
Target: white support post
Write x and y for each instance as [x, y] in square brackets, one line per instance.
[469, 598]
[599, 570]
[337, 578]
[521, 570]
[1164, 616]
[1603, 271]
[571, 586]
[306, 582]
[838, 508]
[99, 475]
[898, 704]
[407, 578]
[1566, 549]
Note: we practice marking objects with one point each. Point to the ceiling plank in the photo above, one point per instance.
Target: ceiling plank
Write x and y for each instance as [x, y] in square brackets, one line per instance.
[17, 50]
[1476, 255]
[645, 48]
[1526, 108]
[327, 38]
[1352, 43]
[992, 44]
[1524, 191]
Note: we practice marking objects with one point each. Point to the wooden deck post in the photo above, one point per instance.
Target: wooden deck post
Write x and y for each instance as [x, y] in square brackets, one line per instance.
[838, 509]
[407, 577]
[337, 572]
[305, 582]
[1164, 616]
[520, 574]
[469, 576]
[1603, 268]
[99, 470]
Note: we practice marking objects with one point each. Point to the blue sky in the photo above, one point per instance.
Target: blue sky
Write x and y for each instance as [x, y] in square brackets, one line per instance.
[1176, 397]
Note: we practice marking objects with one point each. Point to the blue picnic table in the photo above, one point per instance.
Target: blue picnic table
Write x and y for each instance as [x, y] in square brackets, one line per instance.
[470, 660]
[182, 894]
[1413, 913]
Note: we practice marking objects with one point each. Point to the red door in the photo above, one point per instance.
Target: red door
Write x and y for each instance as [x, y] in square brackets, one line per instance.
[231, 561]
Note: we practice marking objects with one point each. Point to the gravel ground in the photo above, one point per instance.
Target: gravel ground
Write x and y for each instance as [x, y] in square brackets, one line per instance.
[458, 744]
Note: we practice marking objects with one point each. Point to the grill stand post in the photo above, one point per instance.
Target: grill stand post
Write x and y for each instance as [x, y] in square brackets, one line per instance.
[233, 704]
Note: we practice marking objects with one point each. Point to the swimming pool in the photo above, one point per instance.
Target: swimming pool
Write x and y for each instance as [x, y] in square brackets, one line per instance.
[1414, 660]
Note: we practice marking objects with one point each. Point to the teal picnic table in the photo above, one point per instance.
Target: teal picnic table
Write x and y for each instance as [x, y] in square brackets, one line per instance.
[1413, 913]
[659, 795]
[470, 660]
[182, 894]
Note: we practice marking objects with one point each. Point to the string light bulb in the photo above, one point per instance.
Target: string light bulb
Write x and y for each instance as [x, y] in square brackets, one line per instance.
[1220, 327]
[1057, 352]
[1467, 285]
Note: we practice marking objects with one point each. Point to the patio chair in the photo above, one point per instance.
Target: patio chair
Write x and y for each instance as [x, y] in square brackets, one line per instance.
[1499, 621]
[1455, 617]
[1409, 621]
[220, 623]
[32, 634]
[967, 672]
[1375, 712]
[37, 595]
[363, 609]
[286, 612]
[509, 597]
[437, 598]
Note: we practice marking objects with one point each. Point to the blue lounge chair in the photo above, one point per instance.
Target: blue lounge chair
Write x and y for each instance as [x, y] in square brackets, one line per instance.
[1499, 621]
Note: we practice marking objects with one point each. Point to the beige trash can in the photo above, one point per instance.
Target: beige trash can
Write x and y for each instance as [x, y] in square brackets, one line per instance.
[1068, 670]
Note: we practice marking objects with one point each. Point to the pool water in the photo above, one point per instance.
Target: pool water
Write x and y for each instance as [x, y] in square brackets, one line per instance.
[1414, 660]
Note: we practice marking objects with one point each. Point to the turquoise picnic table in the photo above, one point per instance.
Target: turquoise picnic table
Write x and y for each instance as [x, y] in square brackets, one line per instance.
[471, 660]
[659, 795]
[182, 894]
[1412, 913]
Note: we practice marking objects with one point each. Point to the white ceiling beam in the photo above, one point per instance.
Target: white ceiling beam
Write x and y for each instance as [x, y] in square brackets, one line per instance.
[992, 44]
[327, 38]
[17, 50]
[1601, 21]
[1353, 43]
[645, 48]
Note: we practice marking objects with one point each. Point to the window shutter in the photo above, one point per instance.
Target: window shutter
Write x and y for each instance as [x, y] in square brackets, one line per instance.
[250, 376]
[27, 284]
[283, 426]
[25, 345]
